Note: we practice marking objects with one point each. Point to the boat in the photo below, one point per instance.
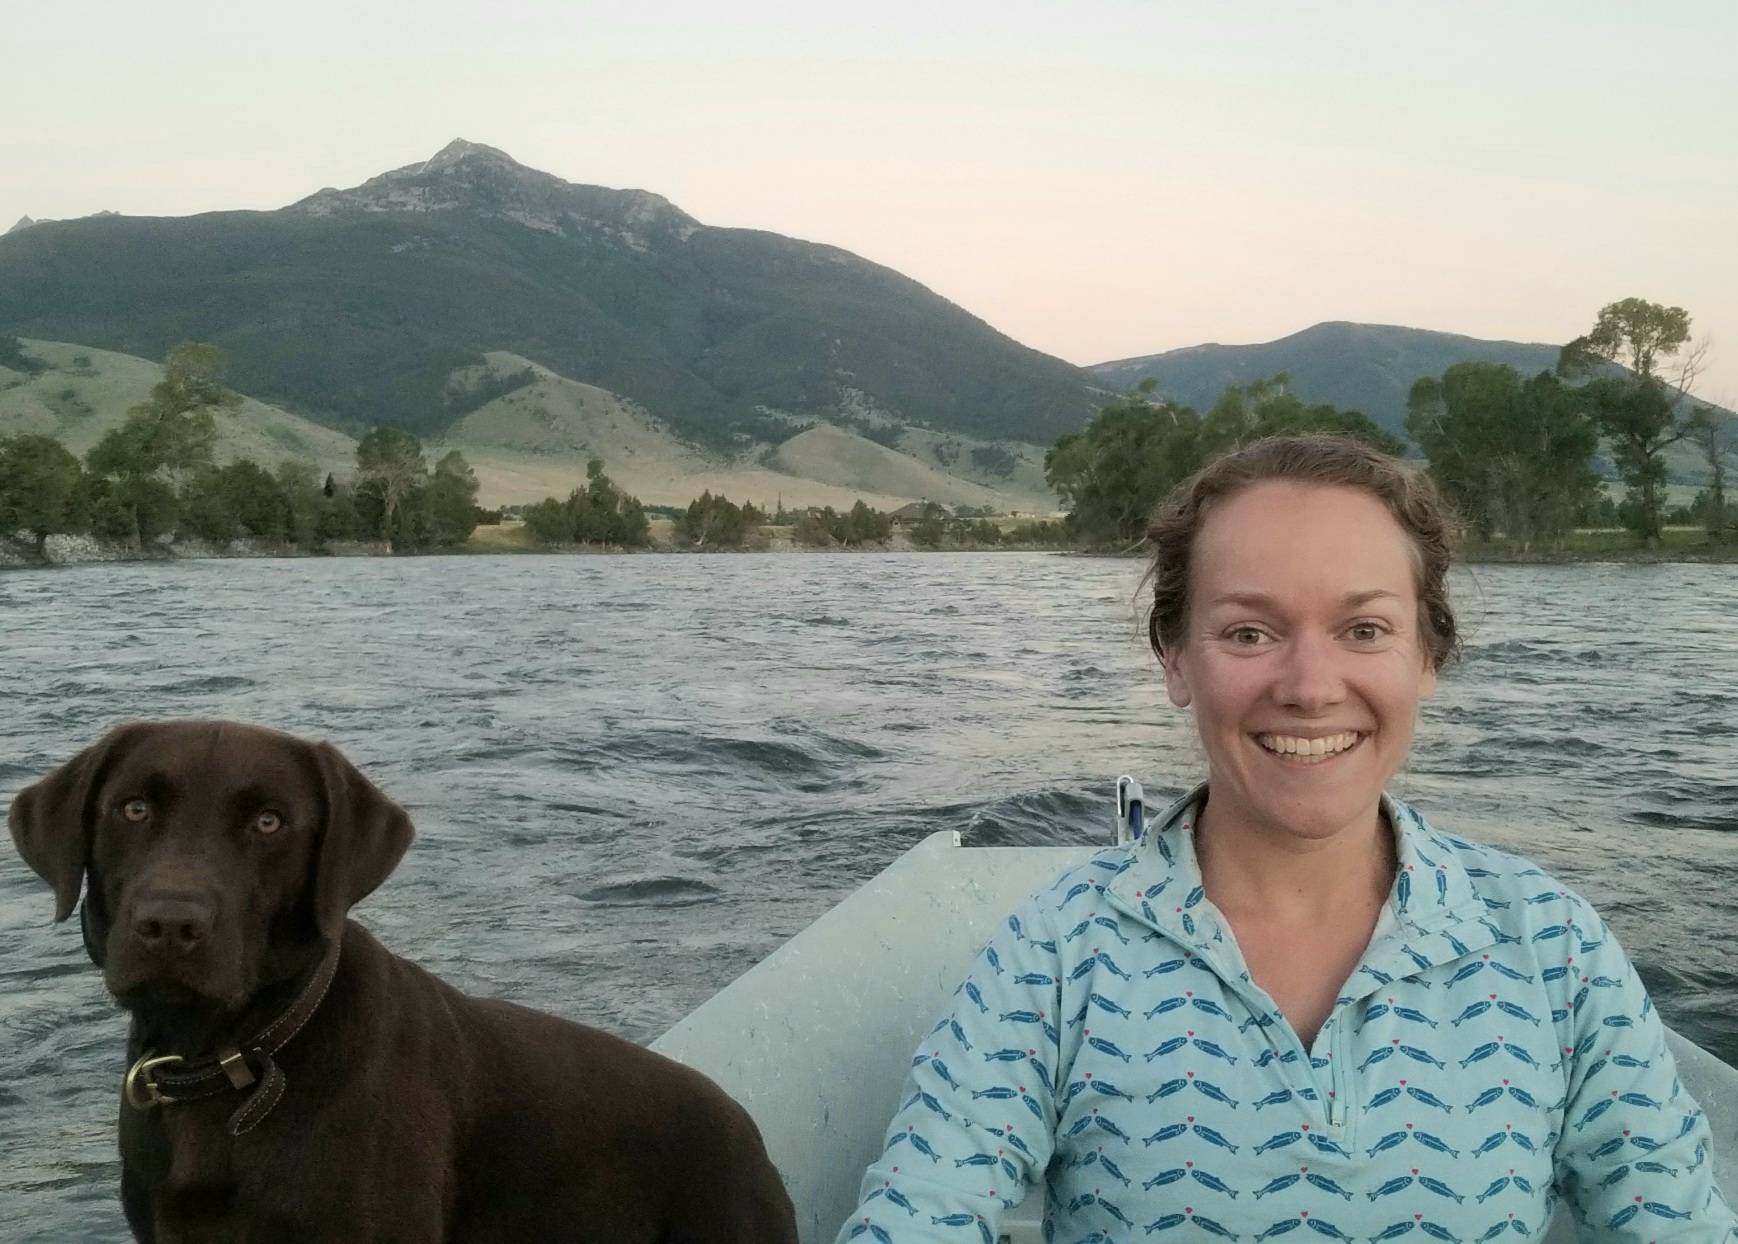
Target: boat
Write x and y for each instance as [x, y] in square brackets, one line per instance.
[816, 1040]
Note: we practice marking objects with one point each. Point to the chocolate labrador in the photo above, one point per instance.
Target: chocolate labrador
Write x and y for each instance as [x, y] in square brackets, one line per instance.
[290, 1079]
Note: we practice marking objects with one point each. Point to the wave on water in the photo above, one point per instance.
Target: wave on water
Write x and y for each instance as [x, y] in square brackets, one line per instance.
[651, 892]
[1054, 816]
[205, 684]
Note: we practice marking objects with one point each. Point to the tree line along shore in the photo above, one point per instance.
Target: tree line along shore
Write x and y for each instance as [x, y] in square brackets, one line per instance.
[1515, 455]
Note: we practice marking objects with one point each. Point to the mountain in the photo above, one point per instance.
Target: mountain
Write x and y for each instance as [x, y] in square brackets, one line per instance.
[354, 307]
[1364, 367]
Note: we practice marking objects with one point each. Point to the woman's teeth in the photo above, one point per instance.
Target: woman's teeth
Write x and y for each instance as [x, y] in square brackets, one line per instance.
[1309, 749]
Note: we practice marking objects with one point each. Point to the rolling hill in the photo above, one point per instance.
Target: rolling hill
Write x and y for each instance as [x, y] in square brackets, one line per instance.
[82, 392]
[533, 439]
[355, 307]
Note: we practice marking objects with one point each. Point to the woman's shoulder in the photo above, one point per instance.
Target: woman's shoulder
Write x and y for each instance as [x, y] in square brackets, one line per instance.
[1088, 876]
[1516, 893]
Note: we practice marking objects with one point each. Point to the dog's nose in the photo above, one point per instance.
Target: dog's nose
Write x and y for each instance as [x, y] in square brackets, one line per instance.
[172, 923]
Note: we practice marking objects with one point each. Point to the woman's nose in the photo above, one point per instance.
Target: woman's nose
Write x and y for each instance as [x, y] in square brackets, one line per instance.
[1310, 678]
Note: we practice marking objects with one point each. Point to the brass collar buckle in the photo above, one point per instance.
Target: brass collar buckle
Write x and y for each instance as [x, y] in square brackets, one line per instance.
[141, 1090]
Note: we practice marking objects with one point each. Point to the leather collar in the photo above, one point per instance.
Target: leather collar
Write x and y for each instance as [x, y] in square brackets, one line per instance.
[165, 1079]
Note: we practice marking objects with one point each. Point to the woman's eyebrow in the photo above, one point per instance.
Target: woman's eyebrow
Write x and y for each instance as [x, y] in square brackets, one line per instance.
[1260, 600]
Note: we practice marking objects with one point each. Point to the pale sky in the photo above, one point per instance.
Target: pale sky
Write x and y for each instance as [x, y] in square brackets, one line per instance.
[1097, 180]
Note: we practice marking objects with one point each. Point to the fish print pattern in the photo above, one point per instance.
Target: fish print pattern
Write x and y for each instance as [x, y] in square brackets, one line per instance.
[1492, 1053]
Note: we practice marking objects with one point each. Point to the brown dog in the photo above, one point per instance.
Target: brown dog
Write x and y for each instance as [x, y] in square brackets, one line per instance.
[292, 1080]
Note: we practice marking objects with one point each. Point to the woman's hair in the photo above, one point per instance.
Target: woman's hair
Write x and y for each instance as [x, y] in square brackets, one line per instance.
[1329, 461]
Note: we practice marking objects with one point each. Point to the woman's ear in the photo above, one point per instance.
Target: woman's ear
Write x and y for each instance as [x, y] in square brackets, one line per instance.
[1176, 677]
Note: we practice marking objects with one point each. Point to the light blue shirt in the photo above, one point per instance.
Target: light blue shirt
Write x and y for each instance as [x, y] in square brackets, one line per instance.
[1493, 1051]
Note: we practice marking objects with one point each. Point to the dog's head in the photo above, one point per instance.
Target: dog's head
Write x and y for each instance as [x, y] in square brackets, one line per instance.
[218, 855]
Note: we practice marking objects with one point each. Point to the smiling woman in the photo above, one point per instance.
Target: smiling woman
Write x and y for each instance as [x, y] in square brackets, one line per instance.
[1372, 1026]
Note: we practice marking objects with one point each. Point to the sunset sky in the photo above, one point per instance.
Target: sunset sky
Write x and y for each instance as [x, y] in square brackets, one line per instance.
[1098, 180]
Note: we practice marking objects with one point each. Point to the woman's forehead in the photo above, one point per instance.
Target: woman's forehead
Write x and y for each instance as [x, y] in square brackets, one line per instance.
[1283, 542]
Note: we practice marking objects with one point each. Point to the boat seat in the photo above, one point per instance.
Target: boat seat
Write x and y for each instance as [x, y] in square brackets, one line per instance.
[816, 1040]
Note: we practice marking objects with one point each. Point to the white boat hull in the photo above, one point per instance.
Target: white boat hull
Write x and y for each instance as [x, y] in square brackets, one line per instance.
[816, 1040]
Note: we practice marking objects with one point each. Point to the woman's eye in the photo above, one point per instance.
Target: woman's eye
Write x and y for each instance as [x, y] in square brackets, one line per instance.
[268, 822]
[136, 810]
[1365, 632]
[1245, 636]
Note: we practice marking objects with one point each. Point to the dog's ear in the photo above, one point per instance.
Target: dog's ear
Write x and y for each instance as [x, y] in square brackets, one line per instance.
[366, 834]
[50, 821]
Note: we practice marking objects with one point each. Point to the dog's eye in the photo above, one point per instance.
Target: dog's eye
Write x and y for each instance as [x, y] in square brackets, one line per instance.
[268, 822]
[136, 810]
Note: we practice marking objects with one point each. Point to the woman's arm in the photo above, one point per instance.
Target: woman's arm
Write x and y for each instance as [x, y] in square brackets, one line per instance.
[1634, 1158]
[978, 1112]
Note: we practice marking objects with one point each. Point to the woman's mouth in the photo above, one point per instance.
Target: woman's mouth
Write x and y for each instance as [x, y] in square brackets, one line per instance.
[1297, 749]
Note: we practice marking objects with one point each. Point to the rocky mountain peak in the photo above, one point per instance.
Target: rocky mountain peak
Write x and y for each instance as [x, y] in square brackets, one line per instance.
[464, 176]
[24, 222]
[461, 149]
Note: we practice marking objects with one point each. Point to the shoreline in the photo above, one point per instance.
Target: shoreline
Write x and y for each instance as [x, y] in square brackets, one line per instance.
[65, 551]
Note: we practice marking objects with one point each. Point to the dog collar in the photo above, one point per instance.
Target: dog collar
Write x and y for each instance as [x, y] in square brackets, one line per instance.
[165, 1079]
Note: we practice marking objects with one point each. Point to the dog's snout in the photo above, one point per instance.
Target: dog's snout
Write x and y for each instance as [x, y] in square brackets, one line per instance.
[172, 922]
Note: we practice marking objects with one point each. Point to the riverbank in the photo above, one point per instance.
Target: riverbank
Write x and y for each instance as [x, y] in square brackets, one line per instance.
[1690, 545]
[1677, 544]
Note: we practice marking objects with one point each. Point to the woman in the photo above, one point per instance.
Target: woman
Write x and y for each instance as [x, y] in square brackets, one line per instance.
[1293, 1005]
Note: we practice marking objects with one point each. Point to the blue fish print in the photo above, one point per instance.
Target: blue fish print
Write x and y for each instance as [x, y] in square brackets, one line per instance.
[1492, 1045]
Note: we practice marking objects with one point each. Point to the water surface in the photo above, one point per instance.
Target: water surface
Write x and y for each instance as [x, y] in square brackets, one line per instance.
[633, 777]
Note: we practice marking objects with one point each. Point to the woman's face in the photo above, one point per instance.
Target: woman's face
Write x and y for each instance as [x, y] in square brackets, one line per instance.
[1301, 656]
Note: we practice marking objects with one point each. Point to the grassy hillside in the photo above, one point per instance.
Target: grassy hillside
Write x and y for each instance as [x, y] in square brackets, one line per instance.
[82, 392]
[530, 442]
[852, 462]
[354, 307]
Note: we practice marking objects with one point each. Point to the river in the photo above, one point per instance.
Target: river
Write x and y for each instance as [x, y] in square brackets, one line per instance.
[632, 777]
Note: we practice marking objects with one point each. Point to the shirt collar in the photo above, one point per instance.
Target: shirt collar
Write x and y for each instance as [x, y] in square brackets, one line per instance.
[1162, 883]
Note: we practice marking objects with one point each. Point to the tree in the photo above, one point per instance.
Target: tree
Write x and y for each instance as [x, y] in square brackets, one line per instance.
[1111, 475]
[1246, 413]
[975, 534]
[178, 428]
[599, 513]
[389, 466]
[1710, 429]
[547, 522]
[714, 522]
[451, 501]
[39, 488]
[13, 358]
[1637, 411]
[1511, 455]
[205, 509]
[305, 502]
[133, 504]
[1640, 335]
[865, 525]
[930, 527]
[164, 441]
[814, 528]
